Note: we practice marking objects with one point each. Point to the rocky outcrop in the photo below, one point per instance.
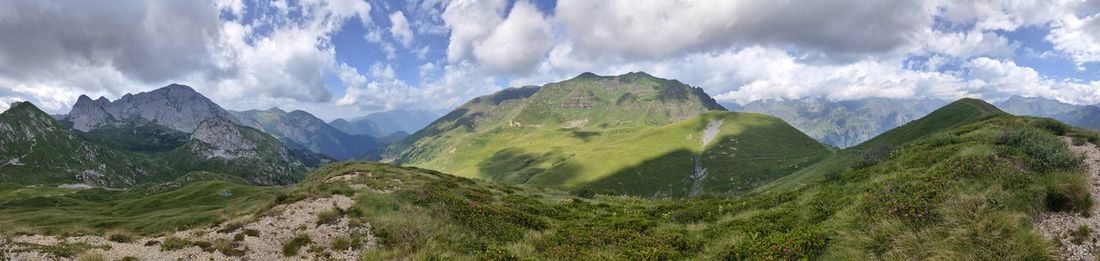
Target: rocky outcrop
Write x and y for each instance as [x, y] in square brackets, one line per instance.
[88, 115]
[174, 106]
[224, 138]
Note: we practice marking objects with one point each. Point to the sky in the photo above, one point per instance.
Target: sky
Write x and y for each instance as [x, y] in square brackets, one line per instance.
[347, 58]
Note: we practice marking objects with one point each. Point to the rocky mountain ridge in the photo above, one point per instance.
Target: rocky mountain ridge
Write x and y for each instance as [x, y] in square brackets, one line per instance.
[175, 106]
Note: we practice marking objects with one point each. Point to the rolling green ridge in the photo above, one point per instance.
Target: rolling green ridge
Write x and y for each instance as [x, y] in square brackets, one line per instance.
[953, 115]
[631, 134]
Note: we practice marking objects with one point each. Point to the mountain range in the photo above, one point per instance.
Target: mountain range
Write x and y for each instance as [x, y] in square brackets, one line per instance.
[299, 129]
[395, 124]
[843, 124]
[1084, 116]
[626, 167]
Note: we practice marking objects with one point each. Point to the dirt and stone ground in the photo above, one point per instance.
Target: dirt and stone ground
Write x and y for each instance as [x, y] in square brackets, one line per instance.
[1060, 226]
[279, 226]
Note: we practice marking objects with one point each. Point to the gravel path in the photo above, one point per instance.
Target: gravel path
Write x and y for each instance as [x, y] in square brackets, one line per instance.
[1058, 226]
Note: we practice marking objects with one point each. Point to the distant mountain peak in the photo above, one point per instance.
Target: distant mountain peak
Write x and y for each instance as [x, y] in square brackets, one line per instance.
[587, 75]
[301, 113]
[179, 88]
[25, 106]
[639, 74]
[1035, 106]
[976, 105]
[277, 110]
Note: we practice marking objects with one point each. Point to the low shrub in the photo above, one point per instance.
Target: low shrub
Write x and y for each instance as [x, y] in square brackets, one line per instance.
[1054, 126]
[1080, 235]
[872, 156]
[798, 244]
[1048, 153]
[584, 193]
[174, 243]
[251, 232]
[912, 200]
[291, 248]
[120, 236]
[328, 216]
[227, 247]
[341, 244]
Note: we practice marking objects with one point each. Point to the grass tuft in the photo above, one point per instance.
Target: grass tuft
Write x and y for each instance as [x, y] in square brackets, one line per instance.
[290, 248]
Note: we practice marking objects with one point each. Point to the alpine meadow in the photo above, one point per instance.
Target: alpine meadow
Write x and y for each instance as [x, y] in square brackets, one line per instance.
[549, 130]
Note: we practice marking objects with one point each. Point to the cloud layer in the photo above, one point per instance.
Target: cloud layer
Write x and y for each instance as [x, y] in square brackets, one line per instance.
[436, 54]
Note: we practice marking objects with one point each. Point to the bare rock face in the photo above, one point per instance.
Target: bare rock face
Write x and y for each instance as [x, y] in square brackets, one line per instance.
[224, 138]
[174, 106]
[88, 115]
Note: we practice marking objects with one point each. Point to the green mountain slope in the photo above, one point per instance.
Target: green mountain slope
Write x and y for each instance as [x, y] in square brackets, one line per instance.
[633, 134]
[36, 149]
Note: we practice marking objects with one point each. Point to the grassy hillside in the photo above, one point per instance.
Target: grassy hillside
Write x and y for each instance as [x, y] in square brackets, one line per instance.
[966, 192]
[147, 209]
[632, 134]
[747, 150]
